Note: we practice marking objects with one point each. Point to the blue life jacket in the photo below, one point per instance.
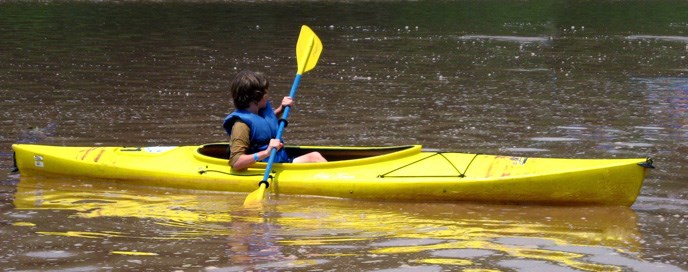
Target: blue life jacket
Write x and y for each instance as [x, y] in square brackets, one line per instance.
[263, 128]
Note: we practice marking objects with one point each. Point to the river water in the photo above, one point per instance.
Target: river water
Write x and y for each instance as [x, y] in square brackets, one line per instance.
[578, 79]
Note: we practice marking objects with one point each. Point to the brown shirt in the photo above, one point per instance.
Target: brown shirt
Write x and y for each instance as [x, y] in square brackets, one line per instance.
[239, 141]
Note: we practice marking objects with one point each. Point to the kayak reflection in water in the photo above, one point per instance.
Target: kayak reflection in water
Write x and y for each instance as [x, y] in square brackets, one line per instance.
[252, 126]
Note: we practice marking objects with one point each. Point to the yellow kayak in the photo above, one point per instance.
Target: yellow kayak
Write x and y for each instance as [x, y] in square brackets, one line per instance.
[398, 173]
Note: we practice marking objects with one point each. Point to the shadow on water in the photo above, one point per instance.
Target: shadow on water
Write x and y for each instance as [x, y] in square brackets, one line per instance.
[67, 225]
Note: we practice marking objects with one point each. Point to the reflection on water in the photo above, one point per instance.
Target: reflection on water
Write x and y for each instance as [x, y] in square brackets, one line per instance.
[63, 223]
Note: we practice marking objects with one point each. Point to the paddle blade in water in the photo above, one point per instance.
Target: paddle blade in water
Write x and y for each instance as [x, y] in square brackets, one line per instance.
[255, 199]
[308, 49]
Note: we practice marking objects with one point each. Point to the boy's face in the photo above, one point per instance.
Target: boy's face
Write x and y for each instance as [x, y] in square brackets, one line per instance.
[263, 101]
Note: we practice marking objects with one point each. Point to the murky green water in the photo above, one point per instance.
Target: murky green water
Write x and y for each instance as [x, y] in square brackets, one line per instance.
[585, 79]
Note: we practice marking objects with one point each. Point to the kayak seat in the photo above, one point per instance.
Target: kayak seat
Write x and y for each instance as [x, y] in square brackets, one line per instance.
[221, 151]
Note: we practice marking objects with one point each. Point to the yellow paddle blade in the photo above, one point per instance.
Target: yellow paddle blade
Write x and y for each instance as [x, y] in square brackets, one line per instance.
[255, 199]
[308, 49]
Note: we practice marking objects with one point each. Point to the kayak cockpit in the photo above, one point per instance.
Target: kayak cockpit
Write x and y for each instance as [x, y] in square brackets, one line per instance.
[221, 151]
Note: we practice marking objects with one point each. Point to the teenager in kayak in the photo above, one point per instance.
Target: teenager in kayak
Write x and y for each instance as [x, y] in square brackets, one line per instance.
[252, 126]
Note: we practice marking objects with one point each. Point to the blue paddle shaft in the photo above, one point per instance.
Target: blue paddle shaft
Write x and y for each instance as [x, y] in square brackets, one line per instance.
[280, 129]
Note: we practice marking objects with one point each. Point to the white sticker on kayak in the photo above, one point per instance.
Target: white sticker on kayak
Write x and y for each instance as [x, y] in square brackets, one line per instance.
[38, 161]
[158, 149]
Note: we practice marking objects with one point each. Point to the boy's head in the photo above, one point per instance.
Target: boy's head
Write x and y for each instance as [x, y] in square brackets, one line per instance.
[247, 87]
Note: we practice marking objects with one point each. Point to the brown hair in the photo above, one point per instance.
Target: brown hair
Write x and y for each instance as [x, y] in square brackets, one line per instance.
[247, 87]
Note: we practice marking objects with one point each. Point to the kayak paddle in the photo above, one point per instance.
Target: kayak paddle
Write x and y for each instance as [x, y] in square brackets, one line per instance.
[308, 49]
